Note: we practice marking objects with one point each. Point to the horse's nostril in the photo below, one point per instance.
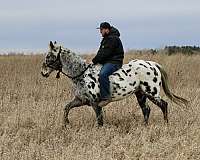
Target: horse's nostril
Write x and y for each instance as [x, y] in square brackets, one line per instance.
[42, 74]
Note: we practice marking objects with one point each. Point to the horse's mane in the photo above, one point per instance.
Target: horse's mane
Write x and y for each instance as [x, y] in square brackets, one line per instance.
[72, 62]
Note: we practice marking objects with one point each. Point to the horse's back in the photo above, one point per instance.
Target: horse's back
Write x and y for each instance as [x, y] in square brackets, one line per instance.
[136, 74]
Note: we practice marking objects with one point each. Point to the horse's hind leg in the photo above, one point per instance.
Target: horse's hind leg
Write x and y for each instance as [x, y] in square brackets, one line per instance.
[142, 100]
[162, 104]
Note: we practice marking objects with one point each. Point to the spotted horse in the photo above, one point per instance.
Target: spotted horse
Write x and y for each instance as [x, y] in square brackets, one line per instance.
[139, 77]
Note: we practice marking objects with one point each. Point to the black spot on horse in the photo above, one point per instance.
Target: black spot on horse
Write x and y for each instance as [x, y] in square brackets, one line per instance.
[123, 95]
[154, 91]
[129, 92]
[93, 95]
[121, 79]
[155, 72]
[132, 84]
[129, 75]
[124, 72]
[136, 73]
[94, 79]
[158, 66]
[98, 95]
[144, 83]
[92, 84]
[116, 84]
[148, 73]
[130, 65]
[148, 63]
[90, 92]
[159, 83]
[119, 94]
[114, 91]
[143, 65]
[88, 86]
[148, 89]
[123, 89]
[154, 79]
[128, 70]
[116, 74]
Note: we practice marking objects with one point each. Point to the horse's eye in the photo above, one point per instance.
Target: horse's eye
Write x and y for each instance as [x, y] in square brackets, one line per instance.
[48, 56]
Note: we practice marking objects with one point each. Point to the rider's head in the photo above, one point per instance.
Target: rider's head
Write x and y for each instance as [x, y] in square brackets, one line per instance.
[104, 28]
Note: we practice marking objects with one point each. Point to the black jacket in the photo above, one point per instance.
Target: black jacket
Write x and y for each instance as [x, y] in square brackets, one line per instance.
[111, 49]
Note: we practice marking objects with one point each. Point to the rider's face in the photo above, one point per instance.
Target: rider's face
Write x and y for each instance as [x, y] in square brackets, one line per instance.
[104, 31]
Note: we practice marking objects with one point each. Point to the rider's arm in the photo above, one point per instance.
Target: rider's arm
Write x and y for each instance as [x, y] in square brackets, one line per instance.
[106, 50]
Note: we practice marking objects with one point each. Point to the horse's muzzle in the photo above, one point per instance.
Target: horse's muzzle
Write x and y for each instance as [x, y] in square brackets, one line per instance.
[44, 74]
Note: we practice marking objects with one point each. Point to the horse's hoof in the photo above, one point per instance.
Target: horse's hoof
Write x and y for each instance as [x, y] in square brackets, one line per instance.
[146, 123]
[66, 122]
[66, 126]
[166, 121]
[99, 124]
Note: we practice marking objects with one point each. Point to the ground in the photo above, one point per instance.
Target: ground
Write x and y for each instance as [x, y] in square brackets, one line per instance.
[31, 112]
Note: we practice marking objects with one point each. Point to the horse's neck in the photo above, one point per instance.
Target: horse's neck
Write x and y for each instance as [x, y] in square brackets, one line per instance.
[73, 64]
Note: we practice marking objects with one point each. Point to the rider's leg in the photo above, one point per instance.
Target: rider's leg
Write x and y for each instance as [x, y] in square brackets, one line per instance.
[106, 70]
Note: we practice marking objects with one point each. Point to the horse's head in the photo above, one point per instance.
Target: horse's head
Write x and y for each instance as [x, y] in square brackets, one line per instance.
[52, 60]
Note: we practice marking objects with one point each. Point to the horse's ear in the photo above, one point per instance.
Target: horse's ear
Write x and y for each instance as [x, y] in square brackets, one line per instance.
[51, 46]
[55, 42]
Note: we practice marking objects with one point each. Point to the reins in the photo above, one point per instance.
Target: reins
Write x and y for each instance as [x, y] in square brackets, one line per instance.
[77, 76]
[59, 68]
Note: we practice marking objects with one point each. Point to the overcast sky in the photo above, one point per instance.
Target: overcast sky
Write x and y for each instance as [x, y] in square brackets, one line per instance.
[31, 24]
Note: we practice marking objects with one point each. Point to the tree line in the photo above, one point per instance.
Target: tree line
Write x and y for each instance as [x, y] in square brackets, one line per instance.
[182, 49]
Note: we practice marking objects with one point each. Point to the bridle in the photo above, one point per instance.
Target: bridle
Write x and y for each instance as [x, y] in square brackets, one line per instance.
[57, 65]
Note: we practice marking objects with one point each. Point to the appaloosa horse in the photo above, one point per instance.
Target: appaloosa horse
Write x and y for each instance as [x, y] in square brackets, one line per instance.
[139, 77]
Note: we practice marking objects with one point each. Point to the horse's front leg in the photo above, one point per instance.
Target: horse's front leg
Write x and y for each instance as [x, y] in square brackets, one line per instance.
[76, 102]
[99, 114]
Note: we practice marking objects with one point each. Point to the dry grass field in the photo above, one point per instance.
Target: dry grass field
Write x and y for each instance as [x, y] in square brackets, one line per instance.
[31, 112]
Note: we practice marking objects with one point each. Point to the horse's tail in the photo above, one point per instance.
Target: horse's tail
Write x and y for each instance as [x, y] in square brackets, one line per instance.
[176, 99]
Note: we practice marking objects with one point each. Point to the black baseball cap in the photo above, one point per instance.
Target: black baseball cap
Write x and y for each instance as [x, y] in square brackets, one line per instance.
[104, 25]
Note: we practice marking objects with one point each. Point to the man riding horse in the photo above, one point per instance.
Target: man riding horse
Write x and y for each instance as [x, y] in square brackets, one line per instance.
[139, 77]
[110, 55]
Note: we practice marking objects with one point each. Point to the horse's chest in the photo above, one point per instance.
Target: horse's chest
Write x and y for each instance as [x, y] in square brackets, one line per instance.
[88, 87]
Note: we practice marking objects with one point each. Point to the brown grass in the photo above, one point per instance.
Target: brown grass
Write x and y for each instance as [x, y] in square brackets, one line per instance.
[31, 112]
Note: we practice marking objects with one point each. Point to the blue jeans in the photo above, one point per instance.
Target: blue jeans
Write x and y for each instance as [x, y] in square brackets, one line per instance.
[106, 70]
